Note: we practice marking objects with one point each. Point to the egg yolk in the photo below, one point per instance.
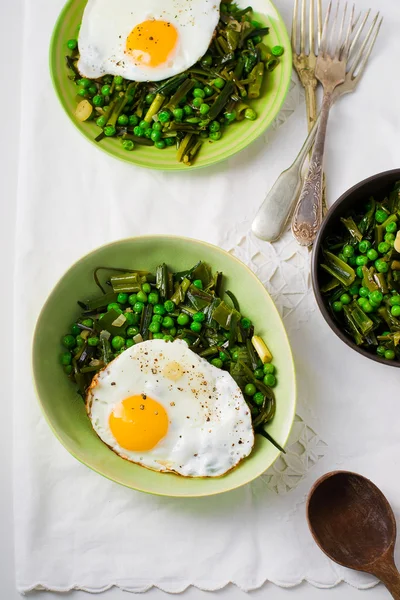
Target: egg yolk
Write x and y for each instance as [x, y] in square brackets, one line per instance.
[150, 43]
[138, 423]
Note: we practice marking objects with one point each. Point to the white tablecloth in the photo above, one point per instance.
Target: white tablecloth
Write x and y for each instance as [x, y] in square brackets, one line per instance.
[73, 529]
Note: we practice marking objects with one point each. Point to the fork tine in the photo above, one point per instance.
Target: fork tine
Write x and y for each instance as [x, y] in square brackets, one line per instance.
[368, 37]
[325, 31]
[333, 31]
[369, 50]
[312, 28]
[346, 49]
[294, 26]
[359, 31]
[319, 17]
[303, 28]
[340, 35]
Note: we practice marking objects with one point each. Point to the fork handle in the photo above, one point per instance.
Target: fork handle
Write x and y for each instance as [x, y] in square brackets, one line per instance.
[307, 216]
[311, 103]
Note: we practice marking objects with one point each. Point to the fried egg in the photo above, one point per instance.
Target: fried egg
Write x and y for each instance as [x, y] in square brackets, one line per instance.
[160, 405]
[144, 41]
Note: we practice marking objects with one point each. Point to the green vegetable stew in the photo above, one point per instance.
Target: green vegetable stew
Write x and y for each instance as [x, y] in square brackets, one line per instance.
[189, 108]
[135, 306]
[362, 267]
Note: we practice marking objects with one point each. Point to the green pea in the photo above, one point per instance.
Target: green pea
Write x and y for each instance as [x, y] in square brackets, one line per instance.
[386, 333]
[138, 131]
[372, 254]
[168, 338]
[199, 317]
[352, 261]
[394, 300]
[204, 109]
[69, 341]
[367, 306]
[246, 323]
[84, 83]
[133, 120]
[389, 238]
[129, 343]
[123, 120]
[118, 342]
[132, 331]
[68, 369]
[381, 350]
[268, 369]
[156, 136]
[258, 398]
[214, 126]
[217, 362]
[157, 319]
[80, 341]
[345, 299]
[223, 356]
[250, 389]
[122, 298]
[230, 116]
[208, 91]
[132, 299]
[359, 272]
[235, 355]
[152, 298]
[157, 126]
[391, 227]
[343, 258]
[383, 247]
[159, 309]
[75, 330]
[101, 121]
[381, 266]
[198, 93]
[138, 307]
[173, 331]
[395, 310]
[160, 144]
[66, 358]
[277, 50]
[197, 102]
[381, 215]
[198, 284]
[361, 301]
[376, 297]
[114, 306]
[72, 44]
[169, 141]
[129, 318]
[364, 292]
[364, 246]
[87, 322]
[337, 306]
[206, 61]
[158, 336]
[217, 135]
[188, 110]
[105, 90]
[128, 145]
[390, 354]
[147, 133]
[250, 114]
[169, 306]
[109, 131]
[154, 327]
[348, 251]
[178, 114]
[93, 341]
[259, 373]
[149, 98]
[361, 261]
[164, 116]
[183, 319]
[270, 380]
[142, 297]
[196, 327]
[168, 322]
[82, 92]
[98, 100]
[219, 83]
[92, 90]
[354, 290]
[144, 125]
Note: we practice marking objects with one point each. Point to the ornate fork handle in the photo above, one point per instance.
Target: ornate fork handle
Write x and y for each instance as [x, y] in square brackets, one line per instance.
[307, 216]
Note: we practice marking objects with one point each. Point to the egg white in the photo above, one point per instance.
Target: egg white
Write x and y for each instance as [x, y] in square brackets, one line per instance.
[106, 26]
[210, 427]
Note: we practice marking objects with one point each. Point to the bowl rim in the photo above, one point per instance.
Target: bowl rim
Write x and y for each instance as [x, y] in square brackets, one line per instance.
[178, 167]
[315, 267]
[115, 479]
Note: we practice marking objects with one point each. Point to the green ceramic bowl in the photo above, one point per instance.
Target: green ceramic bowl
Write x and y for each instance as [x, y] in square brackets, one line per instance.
[64, 408]
[237, 137]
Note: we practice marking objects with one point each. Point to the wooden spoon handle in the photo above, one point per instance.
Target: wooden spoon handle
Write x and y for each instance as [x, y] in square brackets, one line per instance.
[390, 576]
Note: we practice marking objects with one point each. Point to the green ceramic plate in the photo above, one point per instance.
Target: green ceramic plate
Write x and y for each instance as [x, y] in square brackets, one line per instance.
[64, 408]
[237, 137]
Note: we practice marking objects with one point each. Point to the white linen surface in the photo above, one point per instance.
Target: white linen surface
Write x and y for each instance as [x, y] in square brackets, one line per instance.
[75, 529]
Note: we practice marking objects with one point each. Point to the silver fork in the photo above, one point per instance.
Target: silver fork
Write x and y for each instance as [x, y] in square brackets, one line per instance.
[331, 72]
[277, 207]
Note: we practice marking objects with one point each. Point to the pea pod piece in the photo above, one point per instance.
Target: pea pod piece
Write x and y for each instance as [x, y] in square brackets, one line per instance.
[223, 315]
[154, 108]
[331, 285]
[339, 269]
[387, 316]
[368, 279]
[352, 327]
[394, 199]
[127, 282]
[255, 87]
[221, 101]
[381, 282]
[98, 303]
[107, 320]
[145, 321]
[180, 293]
[162, 281]
[368, 219]
[352, 228]
[361, 319]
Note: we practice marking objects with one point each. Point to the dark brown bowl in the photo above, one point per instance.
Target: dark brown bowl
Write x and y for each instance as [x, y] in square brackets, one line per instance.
[377, 185]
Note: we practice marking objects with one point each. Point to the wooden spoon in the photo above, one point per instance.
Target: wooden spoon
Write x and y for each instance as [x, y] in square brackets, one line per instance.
[353, 523]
